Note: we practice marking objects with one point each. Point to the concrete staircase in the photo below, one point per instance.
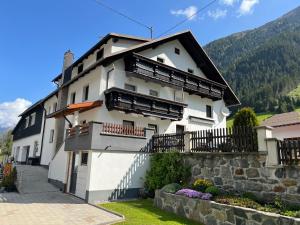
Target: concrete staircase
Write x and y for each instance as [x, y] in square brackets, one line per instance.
[33, 179]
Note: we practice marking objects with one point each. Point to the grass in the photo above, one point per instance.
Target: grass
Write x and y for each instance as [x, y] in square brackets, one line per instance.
[260, 117]
[142, 212]
[295, 93]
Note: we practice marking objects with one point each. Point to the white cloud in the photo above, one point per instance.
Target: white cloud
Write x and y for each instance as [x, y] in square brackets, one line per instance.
[228, 2]
[246, 6]
[9, 112]
[188, 12]
[217, 14]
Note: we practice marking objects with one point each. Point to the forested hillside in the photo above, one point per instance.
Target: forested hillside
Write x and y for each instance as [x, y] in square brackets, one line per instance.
[262, 65]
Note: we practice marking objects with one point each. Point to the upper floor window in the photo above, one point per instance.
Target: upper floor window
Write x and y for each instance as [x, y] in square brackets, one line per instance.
[190, 70]
[153, 93]
[130, 87]
[73, 97]
[100, 54]
[161, 60]
[55, 107]
[80, 68]
[27, 122]
[154, 127]
[209, 111]
[32, 119]
[177, 51]
[85, 93]
[51, 138]
[178, 96]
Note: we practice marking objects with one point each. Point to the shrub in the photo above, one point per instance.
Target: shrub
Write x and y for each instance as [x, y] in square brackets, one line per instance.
[213, 190]
[245, 117]
[171, 188]
[250, 196]
[8, 181]
[202, 184]
[166, 168]
[238, 201]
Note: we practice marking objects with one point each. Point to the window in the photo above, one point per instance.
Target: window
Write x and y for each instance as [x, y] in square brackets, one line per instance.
[128, 123]
[177, 51]
[73, 97]
[153, 126]
[27, 122]
[178, 96]
[49, 110]
[190, 70]
[84, 158]
[153, 93]
[161, 60]
[80, 68]
[85, 95]
[55, 107]
[51, 136]
[179, 129]
[208, 111]
[32, 119]
[99, 54]
[130, 87]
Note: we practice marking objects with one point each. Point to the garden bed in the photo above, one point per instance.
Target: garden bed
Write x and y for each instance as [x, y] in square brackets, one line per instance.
[214, 213]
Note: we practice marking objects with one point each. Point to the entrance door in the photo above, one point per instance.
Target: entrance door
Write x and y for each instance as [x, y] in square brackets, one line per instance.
[73, 180]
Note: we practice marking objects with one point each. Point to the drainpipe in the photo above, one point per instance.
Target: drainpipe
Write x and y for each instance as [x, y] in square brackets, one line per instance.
[43, 132]
[107, 75]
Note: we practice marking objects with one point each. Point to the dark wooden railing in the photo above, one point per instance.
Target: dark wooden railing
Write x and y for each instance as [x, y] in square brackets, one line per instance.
[238, 139]
[119, 129]
[165, 143]
[289, 152]
[148, 69]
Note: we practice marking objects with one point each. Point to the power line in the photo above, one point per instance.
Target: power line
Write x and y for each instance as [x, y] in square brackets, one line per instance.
[125, 16]
[189, 17]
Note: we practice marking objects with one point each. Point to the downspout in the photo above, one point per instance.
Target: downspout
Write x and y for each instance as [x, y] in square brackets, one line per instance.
[107, 75]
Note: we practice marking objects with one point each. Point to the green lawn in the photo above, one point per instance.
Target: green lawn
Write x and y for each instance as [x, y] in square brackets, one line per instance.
[142, 212]
[260, 117]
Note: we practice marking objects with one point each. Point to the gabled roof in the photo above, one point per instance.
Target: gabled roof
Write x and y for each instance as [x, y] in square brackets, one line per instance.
[101, 42]
[283, 119]
[190, 43]
[198, 54]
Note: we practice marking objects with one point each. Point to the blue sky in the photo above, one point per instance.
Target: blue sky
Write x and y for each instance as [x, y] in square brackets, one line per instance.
[35, 34]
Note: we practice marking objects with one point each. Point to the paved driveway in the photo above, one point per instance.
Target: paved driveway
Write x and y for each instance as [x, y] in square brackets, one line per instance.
[48, 206]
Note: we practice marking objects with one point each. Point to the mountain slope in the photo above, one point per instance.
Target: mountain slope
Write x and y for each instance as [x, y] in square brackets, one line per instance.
[262, 65]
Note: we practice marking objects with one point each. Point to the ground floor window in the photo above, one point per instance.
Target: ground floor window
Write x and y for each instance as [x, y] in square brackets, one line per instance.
[84, 158]
[153, 126]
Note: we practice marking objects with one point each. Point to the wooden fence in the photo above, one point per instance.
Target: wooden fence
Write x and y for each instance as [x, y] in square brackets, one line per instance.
[289, 152]
[166, 143]
[238, 139]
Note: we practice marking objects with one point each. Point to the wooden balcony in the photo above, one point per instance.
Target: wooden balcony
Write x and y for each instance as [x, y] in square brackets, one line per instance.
[148, 69]
[132, 102]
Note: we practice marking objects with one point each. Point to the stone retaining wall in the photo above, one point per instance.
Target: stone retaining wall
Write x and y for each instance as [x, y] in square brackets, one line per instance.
[247, 173]
[212, 213]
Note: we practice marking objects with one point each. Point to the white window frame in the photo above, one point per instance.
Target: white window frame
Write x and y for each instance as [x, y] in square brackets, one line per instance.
[27, 122]
[84, 99]
[51, 137]
[32, 119]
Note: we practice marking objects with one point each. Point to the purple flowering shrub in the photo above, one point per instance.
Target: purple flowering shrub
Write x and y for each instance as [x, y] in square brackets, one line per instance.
[194, 194]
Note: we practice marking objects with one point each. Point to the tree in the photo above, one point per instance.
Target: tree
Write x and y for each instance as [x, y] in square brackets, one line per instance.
[245, 117]
[6, 143]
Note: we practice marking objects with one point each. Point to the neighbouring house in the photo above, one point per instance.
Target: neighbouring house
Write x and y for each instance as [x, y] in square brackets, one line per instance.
[285, 125]
[110, 102]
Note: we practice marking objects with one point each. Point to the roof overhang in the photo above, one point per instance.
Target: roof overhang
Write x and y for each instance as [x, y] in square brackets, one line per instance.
[78, 107]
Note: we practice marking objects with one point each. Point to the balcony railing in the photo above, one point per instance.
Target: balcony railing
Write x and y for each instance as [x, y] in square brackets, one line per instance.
[147, 69]
[103, 136]
[132, 102]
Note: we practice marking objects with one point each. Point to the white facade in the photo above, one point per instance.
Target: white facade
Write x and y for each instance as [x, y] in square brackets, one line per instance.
[115, 165]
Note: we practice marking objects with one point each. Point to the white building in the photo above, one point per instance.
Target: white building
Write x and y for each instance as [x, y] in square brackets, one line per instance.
[111, 101]
[285, 125]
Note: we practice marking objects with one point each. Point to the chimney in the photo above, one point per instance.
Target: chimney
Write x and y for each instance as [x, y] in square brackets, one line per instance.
[68, 59]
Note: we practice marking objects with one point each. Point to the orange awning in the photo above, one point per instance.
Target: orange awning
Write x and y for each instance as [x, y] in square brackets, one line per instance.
[78, 107]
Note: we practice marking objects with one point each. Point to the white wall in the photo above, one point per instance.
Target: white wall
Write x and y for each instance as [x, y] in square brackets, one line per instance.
[49, 148]
[117, 170]
[286, 131]
[58, 166]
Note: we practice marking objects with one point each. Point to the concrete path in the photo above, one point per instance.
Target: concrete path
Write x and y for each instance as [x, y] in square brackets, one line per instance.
[40, 203]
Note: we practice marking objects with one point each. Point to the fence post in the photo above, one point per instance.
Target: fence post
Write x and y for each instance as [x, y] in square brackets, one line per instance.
[187, 142]
[263, 132]
[272, 157]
